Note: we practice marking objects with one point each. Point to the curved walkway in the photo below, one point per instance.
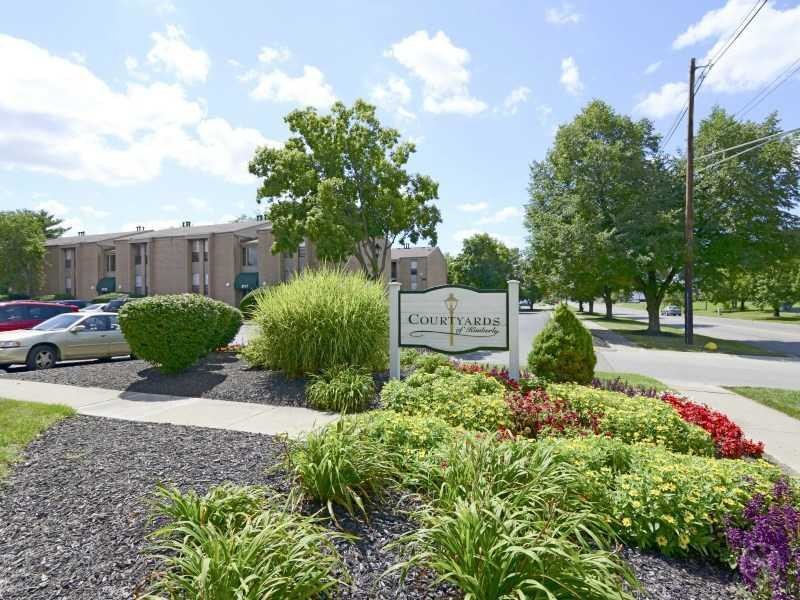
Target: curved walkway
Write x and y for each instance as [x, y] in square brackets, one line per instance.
[178, 410]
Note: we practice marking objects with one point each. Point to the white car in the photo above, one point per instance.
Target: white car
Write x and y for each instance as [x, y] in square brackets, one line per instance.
[671, 311]
[69, 336]
[93, 308]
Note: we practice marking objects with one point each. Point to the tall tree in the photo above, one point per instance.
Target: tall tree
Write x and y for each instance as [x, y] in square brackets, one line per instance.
[52, 226]
[777, 285]
[605, 209]
[21, 252]
[484, 262]
[744, 206]
[341, 181]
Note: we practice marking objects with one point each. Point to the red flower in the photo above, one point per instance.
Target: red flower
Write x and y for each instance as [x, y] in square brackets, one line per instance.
[727, 436]
[534, 413]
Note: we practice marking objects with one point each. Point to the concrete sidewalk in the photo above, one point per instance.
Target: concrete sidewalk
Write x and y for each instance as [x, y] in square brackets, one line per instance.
[779, 432]
[179, 410]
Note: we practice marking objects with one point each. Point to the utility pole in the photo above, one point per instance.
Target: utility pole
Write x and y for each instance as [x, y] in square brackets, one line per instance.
[688, 272]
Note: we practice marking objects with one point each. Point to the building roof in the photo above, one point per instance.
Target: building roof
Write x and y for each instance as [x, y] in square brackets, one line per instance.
[74, 240]
[415, 252]
[195, 230]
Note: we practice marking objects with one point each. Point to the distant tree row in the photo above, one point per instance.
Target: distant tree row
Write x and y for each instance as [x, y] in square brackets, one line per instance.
[605, 215]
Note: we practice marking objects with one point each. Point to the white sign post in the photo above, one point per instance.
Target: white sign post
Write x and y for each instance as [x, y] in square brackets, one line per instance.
[454, 319]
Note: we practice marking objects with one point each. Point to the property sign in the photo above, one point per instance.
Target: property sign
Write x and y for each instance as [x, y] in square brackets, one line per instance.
[454, 319]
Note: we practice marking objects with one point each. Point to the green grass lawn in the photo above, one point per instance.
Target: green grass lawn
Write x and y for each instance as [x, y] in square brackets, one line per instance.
[786, 401]
[20, 422]
[671, 338]
[710, 310]
[632, 379]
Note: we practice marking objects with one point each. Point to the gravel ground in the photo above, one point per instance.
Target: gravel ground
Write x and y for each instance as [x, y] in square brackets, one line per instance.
[74, 512]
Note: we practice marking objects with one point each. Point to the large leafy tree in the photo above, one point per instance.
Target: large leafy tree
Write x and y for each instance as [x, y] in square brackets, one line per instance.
[604, 211]
[341, 181]
[744, 206]
[485, 263]
[52, 226]
[21, 252]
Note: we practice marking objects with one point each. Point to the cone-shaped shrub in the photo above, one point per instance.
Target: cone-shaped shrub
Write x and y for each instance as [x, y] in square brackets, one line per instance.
[563, 350]
[321, 319]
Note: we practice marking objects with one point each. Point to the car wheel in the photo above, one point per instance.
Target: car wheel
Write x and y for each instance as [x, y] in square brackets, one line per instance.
[42, 357]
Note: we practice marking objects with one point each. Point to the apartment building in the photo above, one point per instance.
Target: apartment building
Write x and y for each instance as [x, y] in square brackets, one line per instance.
[418, 268]
[83, 266]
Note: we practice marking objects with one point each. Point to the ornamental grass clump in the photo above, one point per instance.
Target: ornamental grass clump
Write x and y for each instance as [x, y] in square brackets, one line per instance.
[506, 521]
[767, 545]
[563, 350]
[232, 544]
[321, 319]
[341, 389]
[343, 466]
[174, 331]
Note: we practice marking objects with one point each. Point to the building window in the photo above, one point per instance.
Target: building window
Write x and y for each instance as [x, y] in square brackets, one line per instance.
[301, 256]
[111, 263]
[139, 285]
[68, 285]
[394, 270]
[249, 256]
[205, 283]
[69, 254]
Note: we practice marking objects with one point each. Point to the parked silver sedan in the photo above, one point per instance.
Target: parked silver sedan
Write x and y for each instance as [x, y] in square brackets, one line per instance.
[69, 336]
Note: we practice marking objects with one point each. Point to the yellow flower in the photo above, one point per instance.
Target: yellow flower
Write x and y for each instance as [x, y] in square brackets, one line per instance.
[626, 522]
[683, 541]
[688, 517]
[636, 504]
[662, 541]
[669, 519]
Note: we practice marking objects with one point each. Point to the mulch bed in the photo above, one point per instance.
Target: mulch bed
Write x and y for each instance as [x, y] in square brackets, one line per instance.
[221, 376]
[74, 515]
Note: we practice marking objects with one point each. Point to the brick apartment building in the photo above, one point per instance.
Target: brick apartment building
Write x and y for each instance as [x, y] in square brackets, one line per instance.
[418, 268]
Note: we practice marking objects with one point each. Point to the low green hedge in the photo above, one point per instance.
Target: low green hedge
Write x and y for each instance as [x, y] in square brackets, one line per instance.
[468, 400]
[174, 331]
[637, 419]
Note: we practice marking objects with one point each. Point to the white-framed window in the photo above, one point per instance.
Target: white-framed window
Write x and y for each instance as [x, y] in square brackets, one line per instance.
[69, 256]
[68, 285]
[111, 262]
[138, 285]
[196, 283]
[205, 283]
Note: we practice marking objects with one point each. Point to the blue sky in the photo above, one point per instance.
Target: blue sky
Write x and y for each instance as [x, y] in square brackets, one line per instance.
[120, 113]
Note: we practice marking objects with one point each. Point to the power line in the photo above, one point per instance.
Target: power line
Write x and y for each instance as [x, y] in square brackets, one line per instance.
[742, 145]
[745, 22]
[773, 85]
[765, 141]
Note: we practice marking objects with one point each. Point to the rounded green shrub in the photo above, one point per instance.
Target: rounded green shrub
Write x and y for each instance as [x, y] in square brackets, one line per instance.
[174, 331]
[563, 351]
[341, 389]
[321, 319]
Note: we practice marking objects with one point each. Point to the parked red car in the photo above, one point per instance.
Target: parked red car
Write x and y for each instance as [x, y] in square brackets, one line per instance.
[24, 314]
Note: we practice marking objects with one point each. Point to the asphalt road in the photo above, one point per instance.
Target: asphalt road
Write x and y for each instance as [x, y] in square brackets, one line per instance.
[783, 338]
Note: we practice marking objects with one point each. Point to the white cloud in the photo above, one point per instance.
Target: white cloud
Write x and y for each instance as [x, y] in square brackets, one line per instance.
[666, 101]
[508, 240]
[519, 95]
[473, 207]
[442, 68]
[58, 117]
[769, 44]
[198, 204]
[270, 55]
[169, 208]
[571, 76]
[52, 206]
[543, 113]
[504, 214]
[232, 62]
[652, 68]
[393, 96]
[562, 16]
[310, 88]
[93, 213]
[171, 53]
[78, 57]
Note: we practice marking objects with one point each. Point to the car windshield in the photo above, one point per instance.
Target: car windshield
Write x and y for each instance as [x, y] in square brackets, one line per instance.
[60, 322]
